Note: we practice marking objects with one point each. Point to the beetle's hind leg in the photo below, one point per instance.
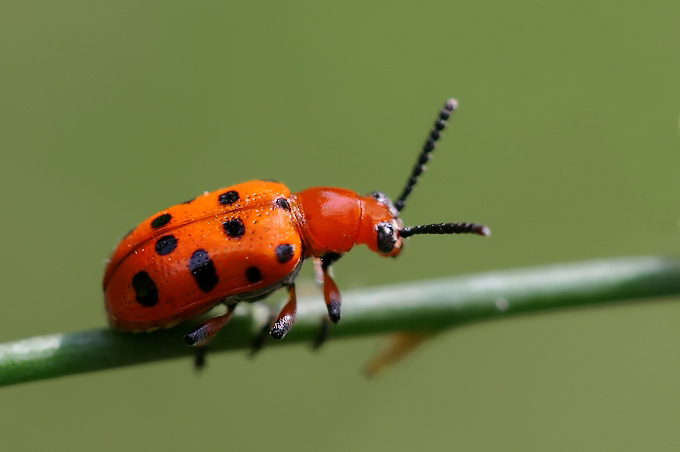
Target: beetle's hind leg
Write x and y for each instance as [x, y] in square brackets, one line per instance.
[201, 336]
[206, 331]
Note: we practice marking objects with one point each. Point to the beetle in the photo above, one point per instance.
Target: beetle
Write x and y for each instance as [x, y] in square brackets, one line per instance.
[243, 242]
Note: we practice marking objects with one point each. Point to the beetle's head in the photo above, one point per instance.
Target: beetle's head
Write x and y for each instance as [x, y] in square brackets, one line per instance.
[382, 230]
[380, 225]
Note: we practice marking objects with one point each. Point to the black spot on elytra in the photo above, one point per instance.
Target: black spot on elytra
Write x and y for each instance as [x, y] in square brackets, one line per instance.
[283, 203]
[228, 197]
[284, 252]
[166, 245]
[161, 220]
[146, 292]
[253, 275]
[203, 270]
[234, 227]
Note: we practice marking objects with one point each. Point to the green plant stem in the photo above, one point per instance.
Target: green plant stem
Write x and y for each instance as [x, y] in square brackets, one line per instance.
[426, 306]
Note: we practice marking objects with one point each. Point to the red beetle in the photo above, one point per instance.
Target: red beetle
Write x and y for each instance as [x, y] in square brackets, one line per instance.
[243, 242]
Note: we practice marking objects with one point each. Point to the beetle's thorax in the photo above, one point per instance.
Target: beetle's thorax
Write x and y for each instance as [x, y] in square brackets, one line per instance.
[335, 219]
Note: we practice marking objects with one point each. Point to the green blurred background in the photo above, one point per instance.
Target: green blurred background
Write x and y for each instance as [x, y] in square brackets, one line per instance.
[567, 144]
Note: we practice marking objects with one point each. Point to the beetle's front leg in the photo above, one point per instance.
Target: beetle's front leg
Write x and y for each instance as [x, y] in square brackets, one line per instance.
[331, 294]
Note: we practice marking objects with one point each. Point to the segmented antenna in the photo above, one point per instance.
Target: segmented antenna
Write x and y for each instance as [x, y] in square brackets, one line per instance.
[445, 228]
[428, 147]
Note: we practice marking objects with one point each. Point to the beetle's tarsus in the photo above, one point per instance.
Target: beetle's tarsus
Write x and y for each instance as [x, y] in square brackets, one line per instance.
[286, 317]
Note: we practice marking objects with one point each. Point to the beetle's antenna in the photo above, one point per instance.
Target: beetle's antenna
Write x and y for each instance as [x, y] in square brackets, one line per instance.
[446, 228]
[428, 147]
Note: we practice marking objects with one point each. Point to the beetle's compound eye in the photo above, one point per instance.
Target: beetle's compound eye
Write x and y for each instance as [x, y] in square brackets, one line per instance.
[387, 237]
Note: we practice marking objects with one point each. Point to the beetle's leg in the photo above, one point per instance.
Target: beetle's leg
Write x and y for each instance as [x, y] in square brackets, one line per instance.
[322, 333]
[286, 317]
[202, 334]
[261, 337]
[331, 294]
[318, 272]
[199, 358]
